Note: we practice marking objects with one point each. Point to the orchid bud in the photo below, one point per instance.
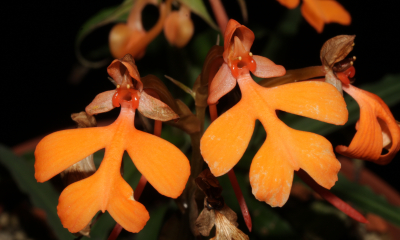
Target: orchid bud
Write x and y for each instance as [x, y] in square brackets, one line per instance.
[178, 27]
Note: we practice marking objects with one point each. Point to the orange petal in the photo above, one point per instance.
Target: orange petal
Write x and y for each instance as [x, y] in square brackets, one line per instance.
[317, 100]
[334, 12]
[178, 27]
[130, 214]
[266, 68]
[317, 13]
[80, 201]
[78, 204]
[101, 103]
[226, 139]
[289, 3]
[222, 83]
[285, 150]
[271, 176]
[368, 142]
[59, 150]
[163, 164]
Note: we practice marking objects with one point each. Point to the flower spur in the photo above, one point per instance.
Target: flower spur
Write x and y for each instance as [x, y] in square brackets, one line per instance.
[164, 165]
[285, 150]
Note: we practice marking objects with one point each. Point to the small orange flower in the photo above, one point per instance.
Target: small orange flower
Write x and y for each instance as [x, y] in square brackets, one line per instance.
[319, 12]
[163, 165]
[179, 27]
[131, 37]
[285, 150]
[375, 119]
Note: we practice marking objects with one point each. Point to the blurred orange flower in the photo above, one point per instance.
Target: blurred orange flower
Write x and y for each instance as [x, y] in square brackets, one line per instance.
[319, 12]
[285, 150]
[163, 165]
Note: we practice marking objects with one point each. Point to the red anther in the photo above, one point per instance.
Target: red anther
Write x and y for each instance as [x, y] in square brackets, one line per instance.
[234, 69]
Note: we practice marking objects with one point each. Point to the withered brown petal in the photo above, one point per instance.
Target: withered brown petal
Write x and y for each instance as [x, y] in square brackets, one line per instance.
[188, 122]
[226, 230]
[78, 171]
[155, 109]
[210, 186]
[101, 103]
[155, 84]
[229, 214]
[205, 222]
[336, 49]
[84, 120]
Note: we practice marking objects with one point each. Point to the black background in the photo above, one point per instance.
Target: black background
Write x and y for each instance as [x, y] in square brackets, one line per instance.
[38, 56]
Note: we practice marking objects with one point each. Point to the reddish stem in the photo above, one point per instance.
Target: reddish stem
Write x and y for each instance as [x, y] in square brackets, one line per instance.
[140, 187]
[240, 198]
[330, 197]
[213, 111]
[115, 232]
[220, 14]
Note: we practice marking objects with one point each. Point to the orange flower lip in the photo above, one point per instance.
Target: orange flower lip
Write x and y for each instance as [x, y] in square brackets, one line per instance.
[285, 150]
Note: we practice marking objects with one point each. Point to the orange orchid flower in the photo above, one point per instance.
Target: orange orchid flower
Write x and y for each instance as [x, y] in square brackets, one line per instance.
[376, 122]
[285, 150]
[319, 12]
[179, 27]
[131, 37]
[163, 165]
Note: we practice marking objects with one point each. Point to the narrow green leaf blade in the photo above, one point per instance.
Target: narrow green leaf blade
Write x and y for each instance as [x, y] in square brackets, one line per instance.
[43, 195]
[197, 6]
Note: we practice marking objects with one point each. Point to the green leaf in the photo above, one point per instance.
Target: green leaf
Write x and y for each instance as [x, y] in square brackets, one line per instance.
[364, 198]
[42, 195]
[387, 89]
[197, 6]
[105, 16]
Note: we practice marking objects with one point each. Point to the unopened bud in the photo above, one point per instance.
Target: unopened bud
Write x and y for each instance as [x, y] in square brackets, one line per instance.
[178, 27]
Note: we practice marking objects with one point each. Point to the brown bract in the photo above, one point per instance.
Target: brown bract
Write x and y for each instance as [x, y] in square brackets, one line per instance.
[336, 49]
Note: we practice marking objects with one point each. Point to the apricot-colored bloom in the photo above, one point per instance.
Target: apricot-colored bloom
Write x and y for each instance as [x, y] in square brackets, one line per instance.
[131, 37]
[163, 165]
[285, 150]
[179, 27]
[319, 12]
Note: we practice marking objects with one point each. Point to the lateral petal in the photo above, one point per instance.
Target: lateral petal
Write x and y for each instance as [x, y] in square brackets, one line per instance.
[101, 103]
[267, 68]
[367, 144]
[222, 83]
[59, 150]
[317, 100]
[164, 165]
[229, 134]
